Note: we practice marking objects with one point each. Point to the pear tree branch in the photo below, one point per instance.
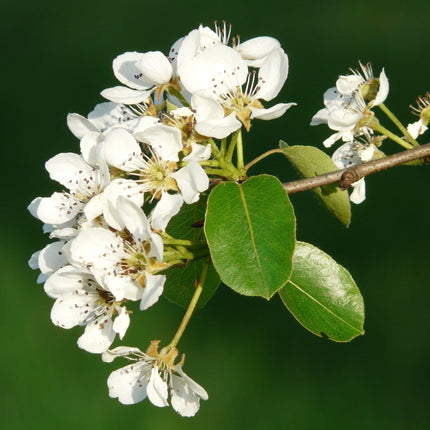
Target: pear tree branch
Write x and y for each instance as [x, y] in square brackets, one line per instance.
[346, 177]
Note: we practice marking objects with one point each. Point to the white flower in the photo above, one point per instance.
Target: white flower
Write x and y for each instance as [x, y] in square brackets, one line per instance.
[422, 109]
[156, 376]
[345, 105]
[142, 73]
[225, 94]
[122, 263]
[81, 301]
[352, 154]
[84, 183]
[253, 51]
[157, 174]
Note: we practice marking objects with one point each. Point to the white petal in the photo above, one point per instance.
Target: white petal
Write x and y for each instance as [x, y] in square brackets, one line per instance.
[125, 95]
[272, 74]
[218, 64]
[123, 287]
[358, 194]
[126, 71]
[108, 114]
[66, 280]
[157, 389]
[120, 187]
[198, 389]
[121, 150]
[155, 68]
[272, 113]
[72, 309]
[121, 323]
[144, 123]
[219, 128]
[184, 401]
[257, 48]
[96, 247]
[34, 260]
[417, 128]
[57, 209]
[120, 351]
[199, 152]
[52, 258]
[321, 117]
[128, 384]
[347, 84]
[191, 180]
[133, 218]
[70, 170]
[384, 87]
[206, 106]
[98, 336]
[153, 289]
[94, 207]
[168, 206]
[164, 140]
[89, 145]
[79, 125]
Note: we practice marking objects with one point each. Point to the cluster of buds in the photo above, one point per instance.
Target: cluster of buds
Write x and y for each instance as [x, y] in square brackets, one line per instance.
[144, 154]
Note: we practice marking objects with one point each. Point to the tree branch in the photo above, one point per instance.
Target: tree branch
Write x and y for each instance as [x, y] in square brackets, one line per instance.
[346, 177]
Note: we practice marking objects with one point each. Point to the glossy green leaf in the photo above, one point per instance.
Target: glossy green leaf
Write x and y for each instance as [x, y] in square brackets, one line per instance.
[322, 295]
[180, 283]
[311, 161]
[250, 229]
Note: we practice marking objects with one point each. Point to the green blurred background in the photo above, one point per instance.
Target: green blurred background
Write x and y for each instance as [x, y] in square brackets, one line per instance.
[261, 369]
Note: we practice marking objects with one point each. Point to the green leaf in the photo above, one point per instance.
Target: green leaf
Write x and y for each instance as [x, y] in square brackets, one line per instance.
[322, 295]
[250, 229]
[311, 161]
[180, 281]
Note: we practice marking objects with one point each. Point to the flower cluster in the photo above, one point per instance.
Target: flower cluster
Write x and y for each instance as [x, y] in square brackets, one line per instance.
[145, 153]
[348, 111]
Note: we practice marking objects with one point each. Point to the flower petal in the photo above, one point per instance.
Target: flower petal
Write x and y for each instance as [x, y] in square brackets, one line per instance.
[153, 289]
[125, 95]
[129, 384]
[157, 389]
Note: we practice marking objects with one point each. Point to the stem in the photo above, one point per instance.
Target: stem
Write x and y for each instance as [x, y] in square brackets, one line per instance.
[239, 150]
[171, 241]
[219, 172]
[379, 128]
[215, 150]
[398, 124]
[191, 308]
[230, 149]
[346, 177]
[260, 157]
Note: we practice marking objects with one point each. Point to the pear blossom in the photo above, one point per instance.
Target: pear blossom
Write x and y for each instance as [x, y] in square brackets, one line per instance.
[142, 74]
[80, 300]
[346, 104]
[123, 263]
[216, 78]
[156, 376]
[157, 174]
[352, 154]
[422, 109]
[253, 51]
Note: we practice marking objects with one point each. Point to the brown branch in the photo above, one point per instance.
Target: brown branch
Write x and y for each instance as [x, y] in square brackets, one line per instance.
[346, 177]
